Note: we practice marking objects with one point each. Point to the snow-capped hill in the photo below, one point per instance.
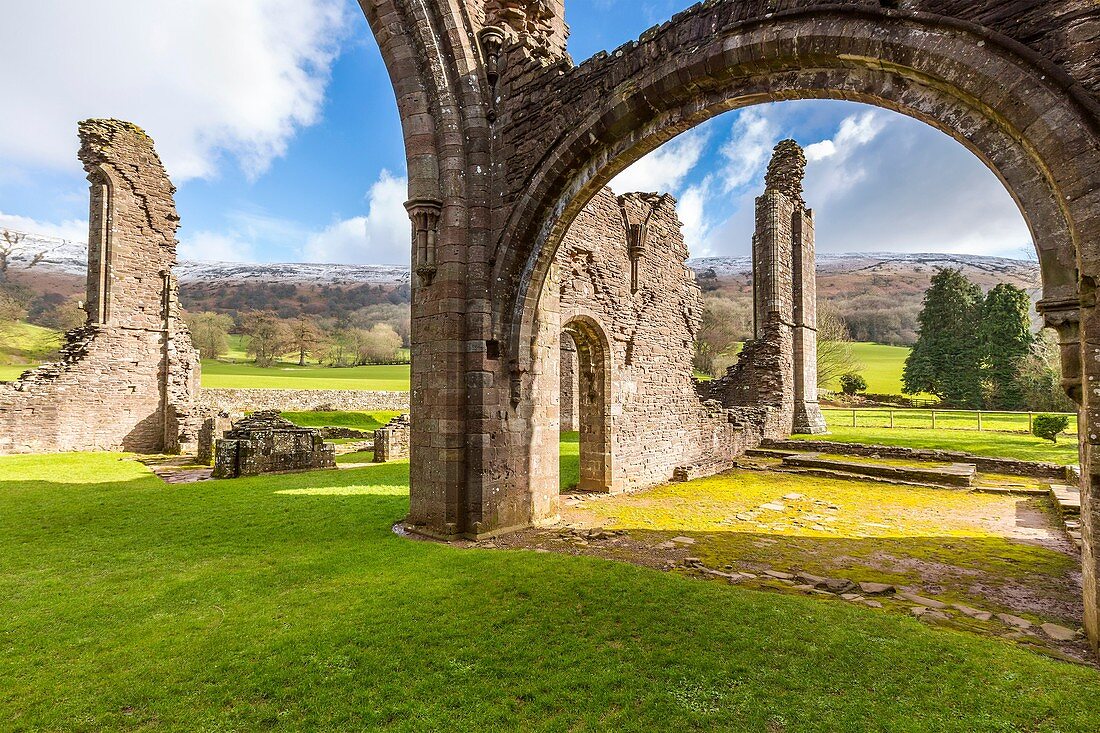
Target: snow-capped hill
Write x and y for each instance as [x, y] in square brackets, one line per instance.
[1018, 272]
[290, 273]
[59, 256]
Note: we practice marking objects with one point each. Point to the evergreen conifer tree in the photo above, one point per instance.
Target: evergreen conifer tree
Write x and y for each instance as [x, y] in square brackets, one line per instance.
[1006, 341]
[946, 360]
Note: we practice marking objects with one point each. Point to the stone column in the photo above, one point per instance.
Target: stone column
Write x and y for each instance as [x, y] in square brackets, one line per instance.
[808, 418]
[773, 299]
[569, 385]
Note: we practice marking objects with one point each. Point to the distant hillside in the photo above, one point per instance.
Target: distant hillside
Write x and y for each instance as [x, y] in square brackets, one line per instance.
[877, 294]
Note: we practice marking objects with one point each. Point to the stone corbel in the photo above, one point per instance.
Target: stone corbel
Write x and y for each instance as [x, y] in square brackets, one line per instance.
[492, 43]
[424, 214]
[1064, 316]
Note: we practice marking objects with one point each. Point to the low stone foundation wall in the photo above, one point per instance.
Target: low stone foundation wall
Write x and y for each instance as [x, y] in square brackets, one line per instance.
[302, 400]
[391, 443]
[985, 464]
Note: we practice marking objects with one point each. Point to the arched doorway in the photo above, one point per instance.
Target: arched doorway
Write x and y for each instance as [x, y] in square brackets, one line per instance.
[593, 419]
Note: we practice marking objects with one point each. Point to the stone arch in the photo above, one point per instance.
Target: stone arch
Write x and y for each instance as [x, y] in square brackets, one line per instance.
[1024, 119]
[594, 377]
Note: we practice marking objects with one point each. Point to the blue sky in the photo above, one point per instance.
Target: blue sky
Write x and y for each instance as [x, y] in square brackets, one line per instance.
[277, 122]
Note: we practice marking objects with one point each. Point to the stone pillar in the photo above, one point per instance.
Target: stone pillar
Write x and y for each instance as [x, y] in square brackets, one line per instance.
[1089, 436]
[569, 387]
[808, 418]
[773, 299]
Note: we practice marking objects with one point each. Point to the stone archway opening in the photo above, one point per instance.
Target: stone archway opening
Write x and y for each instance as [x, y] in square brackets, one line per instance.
[592, 366]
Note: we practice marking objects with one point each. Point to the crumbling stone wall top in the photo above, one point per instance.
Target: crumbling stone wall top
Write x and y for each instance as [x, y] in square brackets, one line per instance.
[786, 170]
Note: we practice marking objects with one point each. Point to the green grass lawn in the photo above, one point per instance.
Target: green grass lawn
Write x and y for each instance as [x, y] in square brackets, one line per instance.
[218, 374]
[24, 346]
[569, 461]
[11, 373]
[365, 421]
[1006, 445]
[286, 603]
[881, 366]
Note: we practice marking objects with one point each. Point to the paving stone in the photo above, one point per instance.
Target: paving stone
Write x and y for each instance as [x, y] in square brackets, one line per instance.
[1020, 623]
[922, 601]
[1059, 633]
[876, 589]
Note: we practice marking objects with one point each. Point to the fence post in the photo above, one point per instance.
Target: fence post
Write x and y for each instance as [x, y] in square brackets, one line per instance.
[1030, 421]
[853, 418]
[933, 419]
[979, 421]
[891, 418]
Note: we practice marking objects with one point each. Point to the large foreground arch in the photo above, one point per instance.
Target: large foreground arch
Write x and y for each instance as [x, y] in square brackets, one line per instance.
[507, 140]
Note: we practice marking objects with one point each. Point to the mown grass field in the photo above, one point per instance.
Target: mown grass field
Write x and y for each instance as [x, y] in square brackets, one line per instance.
[22, 344]
[1013, 422]
[881, 366]
[1007, 445]
[217, 374]
[286, 603]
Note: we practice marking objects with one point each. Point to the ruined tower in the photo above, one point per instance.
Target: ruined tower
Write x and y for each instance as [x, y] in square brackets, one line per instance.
[127, 379]
[784, 283]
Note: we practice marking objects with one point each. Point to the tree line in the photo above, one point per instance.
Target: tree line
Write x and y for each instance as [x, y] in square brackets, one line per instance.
[976, 350]
[374, 335]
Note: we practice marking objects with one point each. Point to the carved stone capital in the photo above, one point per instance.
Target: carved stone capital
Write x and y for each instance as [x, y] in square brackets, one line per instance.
[1064, 316]
[424, 214]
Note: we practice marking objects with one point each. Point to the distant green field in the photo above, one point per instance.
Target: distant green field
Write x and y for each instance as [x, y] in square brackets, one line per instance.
[217, 374]
[23, 346]
[11, 373]
[1006, 445]
[881, 367]
[1013, 422]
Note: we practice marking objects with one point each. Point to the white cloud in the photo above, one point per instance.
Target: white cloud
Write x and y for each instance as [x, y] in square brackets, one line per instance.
[888, 183]
[382, 237]
[206, 78]
[73, 230]
[665, 169]
[747, 151]
[854, 132]
[216, 247]
[691, 207]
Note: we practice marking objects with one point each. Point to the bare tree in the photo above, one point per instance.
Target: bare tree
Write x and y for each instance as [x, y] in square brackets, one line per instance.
[834, 349]
[12, 244]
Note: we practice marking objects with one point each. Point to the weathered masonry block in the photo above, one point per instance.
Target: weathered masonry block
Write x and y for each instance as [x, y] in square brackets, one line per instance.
[391, 443]
[618, 320]
[126, 379]
[265, 442]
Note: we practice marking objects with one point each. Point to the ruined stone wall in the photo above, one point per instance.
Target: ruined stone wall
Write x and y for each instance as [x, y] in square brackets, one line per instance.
[391, 443]
[302, 400]
[622, 293]
[126, 380]
[777, 369]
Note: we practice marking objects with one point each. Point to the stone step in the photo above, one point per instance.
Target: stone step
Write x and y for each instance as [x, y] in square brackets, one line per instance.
[838, 474]
[957, 474]
[1067, 499]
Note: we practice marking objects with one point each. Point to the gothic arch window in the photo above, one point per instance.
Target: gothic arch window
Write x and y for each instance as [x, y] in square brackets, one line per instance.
[100, 251]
